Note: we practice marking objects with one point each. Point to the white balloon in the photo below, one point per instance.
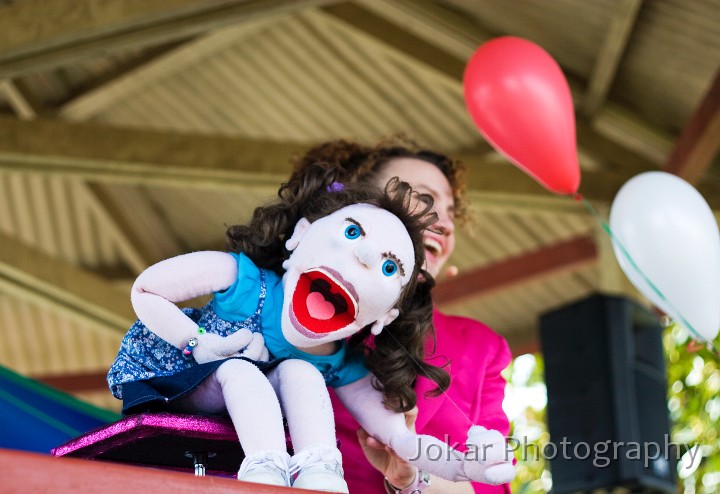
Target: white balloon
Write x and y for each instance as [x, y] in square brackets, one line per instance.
[671, 236]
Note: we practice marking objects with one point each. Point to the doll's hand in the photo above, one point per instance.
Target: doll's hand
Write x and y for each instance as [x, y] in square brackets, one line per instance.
[256, 349]
[211, 347]
[488, 459]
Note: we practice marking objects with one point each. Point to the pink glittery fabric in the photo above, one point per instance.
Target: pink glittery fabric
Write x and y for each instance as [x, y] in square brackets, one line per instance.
[164, 440]
[144, 425]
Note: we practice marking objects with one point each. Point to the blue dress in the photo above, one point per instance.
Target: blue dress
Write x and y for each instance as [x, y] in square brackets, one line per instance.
[149, 372]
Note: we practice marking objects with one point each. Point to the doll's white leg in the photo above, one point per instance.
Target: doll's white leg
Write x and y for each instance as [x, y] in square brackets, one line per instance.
[255, 412]
[306, 404]
[252, 405]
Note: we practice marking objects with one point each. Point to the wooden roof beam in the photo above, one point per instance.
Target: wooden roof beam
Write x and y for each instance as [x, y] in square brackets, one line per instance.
[699, 142]
[446, 29]
[44, 35]
[126, 84]
[49, 282]
[122, 155]
[134, 251]
[139, 251]
[608, 60]
[147, 157]
[20, 103]
[564, 256]
[391, 33]
[75, 382]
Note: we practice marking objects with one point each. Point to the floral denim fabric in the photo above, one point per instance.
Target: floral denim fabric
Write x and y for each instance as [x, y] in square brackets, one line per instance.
[144, 355]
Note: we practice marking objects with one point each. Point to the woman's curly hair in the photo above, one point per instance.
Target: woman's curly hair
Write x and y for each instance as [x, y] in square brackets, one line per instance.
[395, 356]
[362, 163]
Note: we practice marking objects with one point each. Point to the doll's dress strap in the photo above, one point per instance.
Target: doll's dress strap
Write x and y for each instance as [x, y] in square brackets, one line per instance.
[255, 321]
[211, 321]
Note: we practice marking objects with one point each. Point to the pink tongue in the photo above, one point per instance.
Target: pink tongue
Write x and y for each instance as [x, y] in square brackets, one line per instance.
[318, 307]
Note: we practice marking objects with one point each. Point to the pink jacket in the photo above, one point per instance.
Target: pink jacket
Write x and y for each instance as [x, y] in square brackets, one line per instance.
[477, 356]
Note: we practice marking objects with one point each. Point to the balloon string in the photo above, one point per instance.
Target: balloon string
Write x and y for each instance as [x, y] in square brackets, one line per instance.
[606, 227]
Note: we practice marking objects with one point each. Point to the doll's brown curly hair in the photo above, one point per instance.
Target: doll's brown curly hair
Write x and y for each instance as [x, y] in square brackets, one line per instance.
[395, 356]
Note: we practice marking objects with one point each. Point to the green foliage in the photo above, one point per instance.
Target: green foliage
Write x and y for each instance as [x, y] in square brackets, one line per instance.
[693, 404]
[526, 401]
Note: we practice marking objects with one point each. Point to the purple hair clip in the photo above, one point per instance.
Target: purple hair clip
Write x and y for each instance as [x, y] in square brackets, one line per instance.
[335, 187]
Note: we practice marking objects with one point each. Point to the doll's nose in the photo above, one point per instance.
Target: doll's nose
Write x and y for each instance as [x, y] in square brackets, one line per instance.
[367, 256]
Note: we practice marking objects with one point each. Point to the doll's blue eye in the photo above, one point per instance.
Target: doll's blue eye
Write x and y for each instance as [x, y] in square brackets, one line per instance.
[389, 268]
[352, 232]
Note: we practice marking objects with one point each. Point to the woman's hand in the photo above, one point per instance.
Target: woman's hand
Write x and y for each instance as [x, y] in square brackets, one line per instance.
[396, 470]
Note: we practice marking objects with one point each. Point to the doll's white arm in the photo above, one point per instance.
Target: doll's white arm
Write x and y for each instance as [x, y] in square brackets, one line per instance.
[180, 278]
[365, 404]
[486, 460]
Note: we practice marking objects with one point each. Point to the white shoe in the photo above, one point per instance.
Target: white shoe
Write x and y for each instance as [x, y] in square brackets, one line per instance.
[266, 467]
[319, 468]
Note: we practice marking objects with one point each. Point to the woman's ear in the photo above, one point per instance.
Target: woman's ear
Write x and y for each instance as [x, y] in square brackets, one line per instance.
[389, 317]
[297, 235]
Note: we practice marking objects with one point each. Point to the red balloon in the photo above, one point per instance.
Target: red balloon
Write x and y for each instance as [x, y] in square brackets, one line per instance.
[520, 101]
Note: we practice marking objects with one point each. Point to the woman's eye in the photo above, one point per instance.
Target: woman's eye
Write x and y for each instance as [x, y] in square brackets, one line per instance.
[389, 268]
[352, 232]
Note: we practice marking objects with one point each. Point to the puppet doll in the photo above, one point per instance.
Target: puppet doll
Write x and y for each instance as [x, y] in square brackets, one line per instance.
[321, 264]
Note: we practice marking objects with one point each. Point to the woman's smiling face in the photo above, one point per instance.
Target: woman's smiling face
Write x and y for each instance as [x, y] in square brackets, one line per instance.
[427, 178]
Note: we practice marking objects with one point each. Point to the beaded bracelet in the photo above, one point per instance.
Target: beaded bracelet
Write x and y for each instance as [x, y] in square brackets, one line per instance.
[192, 343]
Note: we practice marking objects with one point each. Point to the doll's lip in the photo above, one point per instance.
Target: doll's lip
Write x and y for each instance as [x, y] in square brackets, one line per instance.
[323, 302]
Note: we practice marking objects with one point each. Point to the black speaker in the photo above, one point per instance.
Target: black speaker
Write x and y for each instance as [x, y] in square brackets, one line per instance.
[607, 398]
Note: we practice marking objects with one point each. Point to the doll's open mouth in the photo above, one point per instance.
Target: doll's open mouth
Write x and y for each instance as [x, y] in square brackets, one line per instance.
[322, 303]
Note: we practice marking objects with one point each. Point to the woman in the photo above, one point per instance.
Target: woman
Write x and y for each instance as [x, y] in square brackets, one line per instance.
[474, 353]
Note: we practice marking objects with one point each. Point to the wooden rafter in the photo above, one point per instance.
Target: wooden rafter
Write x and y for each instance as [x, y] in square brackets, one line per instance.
[429, 20]
[44, 35]
[130, 249]
[551, 260]
[391, 33]
[123, 155]
[606, 65]
[699, 142]
[634, 136]
[84, 106]
[31, 275]
[130, 156]
[75, 382]
[136, 255]
[138, 252]
[19, 102]
[118, 71]
[615, 155]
